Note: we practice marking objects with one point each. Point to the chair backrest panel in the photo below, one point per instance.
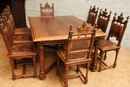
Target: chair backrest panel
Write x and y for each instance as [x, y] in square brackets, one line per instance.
[103, 20]
[79, 44]
[5, 34]
[92, 15]
[9, 20]
[8, 10]
[118, 28]
[47, 10]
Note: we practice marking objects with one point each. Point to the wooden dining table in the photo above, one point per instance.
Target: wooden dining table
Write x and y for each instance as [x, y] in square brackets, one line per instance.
[54, 30]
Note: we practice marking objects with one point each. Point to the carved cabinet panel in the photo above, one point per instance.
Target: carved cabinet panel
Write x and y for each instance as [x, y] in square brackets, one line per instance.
[18, 11]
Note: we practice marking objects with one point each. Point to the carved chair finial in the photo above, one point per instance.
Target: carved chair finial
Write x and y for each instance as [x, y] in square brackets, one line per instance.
[93, 9]
[70, 31]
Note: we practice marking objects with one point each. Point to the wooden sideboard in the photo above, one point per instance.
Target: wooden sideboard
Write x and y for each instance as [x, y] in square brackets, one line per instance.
[18, 11]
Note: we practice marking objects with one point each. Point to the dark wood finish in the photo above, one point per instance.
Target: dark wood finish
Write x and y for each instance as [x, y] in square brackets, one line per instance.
[18, 11]
[102, 23]
[55, 32]
[103, 20]
[47, 10]
[117, 30]
[79, 49]
[18, 51]
[4, 3]
[92, 15]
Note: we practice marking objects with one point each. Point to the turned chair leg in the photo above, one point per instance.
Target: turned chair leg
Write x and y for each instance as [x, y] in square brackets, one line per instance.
[114, 65]
[12, 68]
[66, 76]
[105, 56]
[77, 68]
[34, 65]
[57, 67]
[86, 79]
[100, 66]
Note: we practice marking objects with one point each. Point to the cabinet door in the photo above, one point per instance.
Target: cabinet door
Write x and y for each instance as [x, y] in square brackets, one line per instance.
[18, 11]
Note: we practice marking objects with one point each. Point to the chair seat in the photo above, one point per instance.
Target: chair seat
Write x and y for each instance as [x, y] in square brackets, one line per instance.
[20, 38]
[22, 49]
[106, 45]
[22, 31]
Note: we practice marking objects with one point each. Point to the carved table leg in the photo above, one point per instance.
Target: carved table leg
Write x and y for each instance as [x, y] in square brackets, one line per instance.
[42, 75]
[93, 66]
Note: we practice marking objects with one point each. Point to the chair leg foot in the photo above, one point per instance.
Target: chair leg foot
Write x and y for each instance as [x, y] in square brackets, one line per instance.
[86, 81]
[99, 70]
[13, 78]
[114, 66]
[57, 74]
[66, 84]
[35, 75]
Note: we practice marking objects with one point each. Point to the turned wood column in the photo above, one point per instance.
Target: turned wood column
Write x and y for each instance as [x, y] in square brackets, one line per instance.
[42, 74]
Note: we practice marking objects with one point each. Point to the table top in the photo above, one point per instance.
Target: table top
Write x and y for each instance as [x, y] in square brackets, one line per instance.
[55, 28]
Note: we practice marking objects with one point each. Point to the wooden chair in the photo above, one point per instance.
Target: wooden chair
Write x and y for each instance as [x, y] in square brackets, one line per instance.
[18, 35]
[7, 12]
[47, 10]
[16, 38]
[92, 15]
[18, 51]
[103, 20]
[116, 31]
[79, 48]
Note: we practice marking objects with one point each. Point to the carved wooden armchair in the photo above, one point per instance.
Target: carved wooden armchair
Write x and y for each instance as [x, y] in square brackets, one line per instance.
[103, 20]
[117, 29]
[92, 15]
[47, 10]
[78, 52]
[18, 51]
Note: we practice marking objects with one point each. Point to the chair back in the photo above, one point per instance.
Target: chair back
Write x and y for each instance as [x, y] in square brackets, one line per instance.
[7, 18]
[5, 34]
[8, 10]
[47, 10]
[118, 28]
[92, 15]
[103, 20]
[80, 44]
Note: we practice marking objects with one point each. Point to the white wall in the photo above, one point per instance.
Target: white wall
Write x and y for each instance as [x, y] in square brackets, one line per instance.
[80, 8]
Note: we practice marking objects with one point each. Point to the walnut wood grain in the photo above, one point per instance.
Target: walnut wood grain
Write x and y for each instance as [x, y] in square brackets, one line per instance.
[54, 30]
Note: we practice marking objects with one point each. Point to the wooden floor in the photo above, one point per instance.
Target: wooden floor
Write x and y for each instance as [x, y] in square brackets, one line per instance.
[118, 77]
